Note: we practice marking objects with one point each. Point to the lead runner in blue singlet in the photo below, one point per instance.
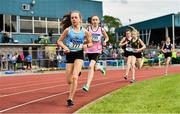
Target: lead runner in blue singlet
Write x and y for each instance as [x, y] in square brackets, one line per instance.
[74, 36]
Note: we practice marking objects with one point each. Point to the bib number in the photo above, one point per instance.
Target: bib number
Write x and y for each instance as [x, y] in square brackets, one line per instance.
[129, 49]
[75, 46]
[168, 50]
[96, 38]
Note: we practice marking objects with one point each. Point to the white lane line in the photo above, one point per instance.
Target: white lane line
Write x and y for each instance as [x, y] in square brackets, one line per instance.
[29, 85]
[51, 96]
[23, 83]
[40, 83]
[41, 89]
[1, 96]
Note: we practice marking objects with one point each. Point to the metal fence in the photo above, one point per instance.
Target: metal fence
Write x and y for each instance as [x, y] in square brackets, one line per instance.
[56, 59]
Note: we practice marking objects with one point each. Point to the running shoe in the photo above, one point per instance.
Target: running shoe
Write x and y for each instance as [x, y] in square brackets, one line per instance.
[132, 81]
[125, 77]
[79, 74]
[103, 70]
[86, 88]
[70, 103]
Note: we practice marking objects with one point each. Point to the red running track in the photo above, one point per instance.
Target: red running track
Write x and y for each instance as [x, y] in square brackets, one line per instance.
[47, 93]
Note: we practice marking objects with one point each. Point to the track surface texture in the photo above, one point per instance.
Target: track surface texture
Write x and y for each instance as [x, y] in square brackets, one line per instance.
[47, 93]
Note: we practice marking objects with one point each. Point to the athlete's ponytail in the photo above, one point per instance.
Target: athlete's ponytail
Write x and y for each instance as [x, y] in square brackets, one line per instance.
[89, 20]
[66, 21]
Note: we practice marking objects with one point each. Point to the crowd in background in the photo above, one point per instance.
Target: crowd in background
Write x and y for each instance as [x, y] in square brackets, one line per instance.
[15, 61]
[110, 52]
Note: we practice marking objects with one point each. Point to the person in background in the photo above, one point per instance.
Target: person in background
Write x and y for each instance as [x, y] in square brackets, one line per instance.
[50, 34]
[94, 52]
[137, 46]
[125, 44]
[14, 60]
[167, 50]
[29, 61]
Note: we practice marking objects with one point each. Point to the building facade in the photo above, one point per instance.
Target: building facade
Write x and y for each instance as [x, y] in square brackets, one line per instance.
[26, 19]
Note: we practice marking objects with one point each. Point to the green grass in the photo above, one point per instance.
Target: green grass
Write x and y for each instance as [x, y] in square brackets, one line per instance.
[160, 95]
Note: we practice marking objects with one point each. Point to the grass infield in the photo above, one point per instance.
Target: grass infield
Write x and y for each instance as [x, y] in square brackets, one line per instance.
[159, 95]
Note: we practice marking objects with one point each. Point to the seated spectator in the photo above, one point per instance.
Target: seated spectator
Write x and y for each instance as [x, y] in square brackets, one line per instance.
[7, 38]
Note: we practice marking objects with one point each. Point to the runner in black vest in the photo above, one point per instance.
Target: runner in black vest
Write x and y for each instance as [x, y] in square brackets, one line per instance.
[167, 49]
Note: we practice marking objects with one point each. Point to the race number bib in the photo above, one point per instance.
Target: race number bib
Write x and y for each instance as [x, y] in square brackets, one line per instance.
[168, 50]
[129, 49]
[96, 37]
[75, 46]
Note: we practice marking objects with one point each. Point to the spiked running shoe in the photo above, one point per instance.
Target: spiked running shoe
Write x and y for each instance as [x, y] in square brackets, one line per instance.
[70, 103]
[132, 81]
[85, 88]
[125, 77]
[103, 71]
[79, 74]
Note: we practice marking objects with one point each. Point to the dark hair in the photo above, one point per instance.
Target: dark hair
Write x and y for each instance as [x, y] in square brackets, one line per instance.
[127, 30]
[66, 21]
[50, 33]
[89, 20]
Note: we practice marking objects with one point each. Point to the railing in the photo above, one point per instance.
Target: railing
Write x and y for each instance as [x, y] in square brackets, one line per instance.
[44, 61]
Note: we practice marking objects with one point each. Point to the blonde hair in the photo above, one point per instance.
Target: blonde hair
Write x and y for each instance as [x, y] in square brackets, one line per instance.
[136, 31]
[168, 38]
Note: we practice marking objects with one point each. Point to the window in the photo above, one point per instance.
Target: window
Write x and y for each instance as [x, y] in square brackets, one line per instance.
[13, 23]
[26, 17]
[26, 24]
[36, 18]
[52, 25]
[1, 22]
[7, 23]
[39, 26]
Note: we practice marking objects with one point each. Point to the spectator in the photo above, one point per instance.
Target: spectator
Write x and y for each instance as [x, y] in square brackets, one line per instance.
[3, 61]
[50, 34]
[51, 60]
[114, 55]
[7, 38]
[10, 64]
[29, 61]
[20, 60]
[40, 57]
[14, 60]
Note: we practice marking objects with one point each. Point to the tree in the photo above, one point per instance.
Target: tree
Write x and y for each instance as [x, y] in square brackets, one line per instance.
[111, 23]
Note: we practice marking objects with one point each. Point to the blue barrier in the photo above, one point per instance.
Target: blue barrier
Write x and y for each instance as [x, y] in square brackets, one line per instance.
[106, 62]
[9, 72]
[62, 65]
[86, 64]
[115, 62]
